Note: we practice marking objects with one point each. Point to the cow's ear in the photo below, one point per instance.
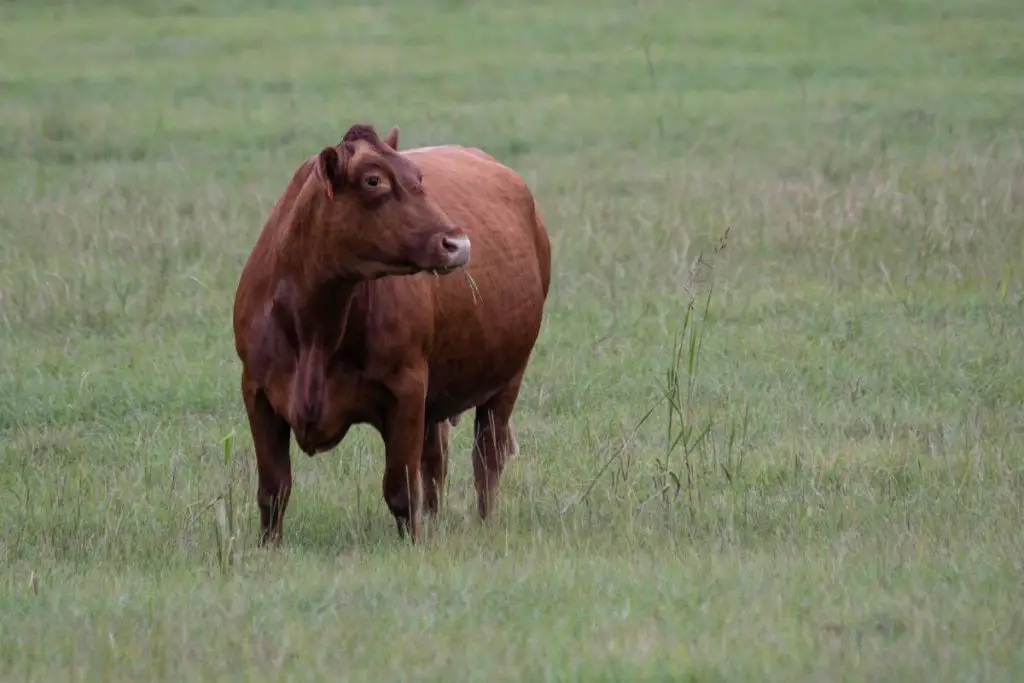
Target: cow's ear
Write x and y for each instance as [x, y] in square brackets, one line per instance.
[391, 140]
[330, 169]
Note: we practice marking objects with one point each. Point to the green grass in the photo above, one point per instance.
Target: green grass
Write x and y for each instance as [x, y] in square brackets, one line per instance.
[838, 493]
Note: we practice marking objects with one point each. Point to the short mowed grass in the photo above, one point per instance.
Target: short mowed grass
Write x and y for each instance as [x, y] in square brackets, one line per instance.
[773, 429]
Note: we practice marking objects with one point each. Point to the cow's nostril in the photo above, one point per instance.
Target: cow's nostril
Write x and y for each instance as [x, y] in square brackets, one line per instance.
[456, 251]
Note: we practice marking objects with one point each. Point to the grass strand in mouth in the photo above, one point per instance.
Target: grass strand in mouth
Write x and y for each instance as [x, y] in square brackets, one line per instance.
[471, 281]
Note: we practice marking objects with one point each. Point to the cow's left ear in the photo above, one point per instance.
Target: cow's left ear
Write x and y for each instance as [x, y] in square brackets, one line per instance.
[330, 169]
[391, 140]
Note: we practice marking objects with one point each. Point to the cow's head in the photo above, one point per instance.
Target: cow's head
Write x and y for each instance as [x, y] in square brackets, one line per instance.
[369, 215]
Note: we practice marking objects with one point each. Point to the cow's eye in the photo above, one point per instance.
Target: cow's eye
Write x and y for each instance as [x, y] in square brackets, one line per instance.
[371, 180]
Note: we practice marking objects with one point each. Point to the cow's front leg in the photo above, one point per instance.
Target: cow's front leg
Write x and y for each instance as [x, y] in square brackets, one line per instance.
[270, 436]
[403, 449]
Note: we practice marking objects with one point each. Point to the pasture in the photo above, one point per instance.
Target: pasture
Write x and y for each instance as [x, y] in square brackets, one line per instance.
[799, 457]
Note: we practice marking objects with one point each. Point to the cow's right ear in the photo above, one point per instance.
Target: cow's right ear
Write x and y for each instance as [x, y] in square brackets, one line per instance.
[330, 169]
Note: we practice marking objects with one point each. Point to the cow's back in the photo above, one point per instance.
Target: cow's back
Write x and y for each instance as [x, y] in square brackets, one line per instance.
[255, 282]
[487, 318]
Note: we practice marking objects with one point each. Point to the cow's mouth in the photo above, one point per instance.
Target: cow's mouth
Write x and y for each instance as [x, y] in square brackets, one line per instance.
[443, 270]
[411, 268]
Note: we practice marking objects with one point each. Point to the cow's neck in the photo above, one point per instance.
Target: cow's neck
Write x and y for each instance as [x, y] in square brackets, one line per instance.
[326, 313]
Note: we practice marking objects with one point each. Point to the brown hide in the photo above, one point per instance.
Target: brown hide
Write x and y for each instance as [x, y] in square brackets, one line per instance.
[406, 354]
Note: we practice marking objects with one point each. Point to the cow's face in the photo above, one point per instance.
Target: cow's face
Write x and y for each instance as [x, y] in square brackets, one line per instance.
[373, 216]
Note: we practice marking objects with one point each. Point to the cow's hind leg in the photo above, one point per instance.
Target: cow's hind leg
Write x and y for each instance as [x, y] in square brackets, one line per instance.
[494, 442]
[434, 467]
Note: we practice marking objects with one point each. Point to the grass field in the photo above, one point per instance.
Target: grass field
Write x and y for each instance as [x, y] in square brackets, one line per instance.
[838, 493]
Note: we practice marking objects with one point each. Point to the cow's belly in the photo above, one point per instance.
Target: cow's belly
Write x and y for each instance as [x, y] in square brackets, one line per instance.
[478, 354]
[449, 396]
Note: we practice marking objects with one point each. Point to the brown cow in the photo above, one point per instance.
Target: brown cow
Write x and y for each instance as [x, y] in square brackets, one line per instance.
[327, 339]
